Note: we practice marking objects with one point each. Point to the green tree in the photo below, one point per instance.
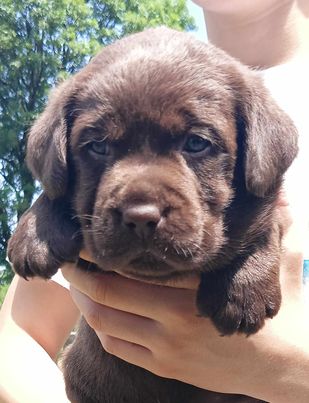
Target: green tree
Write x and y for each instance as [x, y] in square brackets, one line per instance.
[41, 42]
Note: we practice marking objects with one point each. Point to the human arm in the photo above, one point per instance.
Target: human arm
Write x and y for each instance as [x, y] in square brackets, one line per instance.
[35, 320]
[157, 328]
[243, 29]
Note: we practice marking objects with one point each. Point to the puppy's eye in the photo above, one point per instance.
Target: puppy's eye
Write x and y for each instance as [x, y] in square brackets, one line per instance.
[99, 147]
[196, 144]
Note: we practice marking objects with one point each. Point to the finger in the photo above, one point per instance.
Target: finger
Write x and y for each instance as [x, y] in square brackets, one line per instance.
[130, 295]
[115, 323]
[292, 256]
[130, 352]
[282, 199]
[291, 274]
[85, 255]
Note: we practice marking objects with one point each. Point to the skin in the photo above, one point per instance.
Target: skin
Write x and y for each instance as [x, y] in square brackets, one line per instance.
[30, 340]
[243, 28]
[272, 365]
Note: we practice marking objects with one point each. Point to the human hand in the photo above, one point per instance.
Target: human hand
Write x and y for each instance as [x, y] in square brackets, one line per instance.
[156, 327]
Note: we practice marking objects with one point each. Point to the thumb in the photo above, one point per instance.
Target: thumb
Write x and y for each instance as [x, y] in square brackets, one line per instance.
[291, 268]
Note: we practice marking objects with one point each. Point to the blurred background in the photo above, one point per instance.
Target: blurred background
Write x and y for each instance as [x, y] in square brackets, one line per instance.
[41, 43]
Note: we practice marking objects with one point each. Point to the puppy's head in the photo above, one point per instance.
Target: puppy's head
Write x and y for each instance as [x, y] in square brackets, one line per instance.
[147, 140]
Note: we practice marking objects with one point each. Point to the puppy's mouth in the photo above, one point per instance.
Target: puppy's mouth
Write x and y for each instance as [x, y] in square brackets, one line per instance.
[148, 267]
[151, 263]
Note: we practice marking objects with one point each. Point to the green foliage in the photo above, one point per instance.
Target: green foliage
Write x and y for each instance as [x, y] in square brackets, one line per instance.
[41, 42]
[3, 290]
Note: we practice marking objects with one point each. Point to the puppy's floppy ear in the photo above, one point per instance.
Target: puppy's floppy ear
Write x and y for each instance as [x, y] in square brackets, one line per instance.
[269, 138]
[47, 144]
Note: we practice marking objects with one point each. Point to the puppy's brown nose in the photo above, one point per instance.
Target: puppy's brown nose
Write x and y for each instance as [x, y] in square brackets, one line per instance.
[142, 219]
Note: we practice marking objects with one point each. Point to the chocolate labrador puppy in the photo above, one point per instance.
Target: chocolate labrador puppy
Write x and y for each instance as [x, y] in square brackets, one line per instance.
[163, 157]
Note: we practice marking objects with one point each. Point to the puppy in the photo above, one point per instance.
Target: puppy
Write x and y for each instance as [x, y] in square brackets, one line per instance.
[163, 157]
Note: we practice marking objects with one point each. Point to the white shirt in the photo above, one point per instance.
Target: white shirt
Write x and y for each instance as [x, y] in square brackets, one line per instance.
[289, 86]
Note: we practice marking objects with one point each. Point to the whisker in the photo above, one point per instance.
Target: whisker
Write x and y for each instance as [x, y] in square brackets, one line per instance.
[206, 232]
[88, 217]
[92, 231]
[184, 252]
[77, 234]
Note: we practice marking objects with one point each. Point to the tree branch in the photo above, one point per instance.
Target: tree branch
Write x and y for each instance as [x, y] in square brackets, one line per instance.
[8, 181]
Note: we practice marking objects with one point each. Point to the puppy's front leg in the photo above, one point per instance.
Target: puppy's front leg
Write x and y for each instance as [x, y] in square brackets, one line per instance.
[45, 237]
[240, 297]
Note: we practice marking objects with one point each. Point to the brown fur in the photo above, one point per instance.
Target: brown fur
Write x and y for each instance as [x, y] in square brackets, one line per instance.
[151, 208]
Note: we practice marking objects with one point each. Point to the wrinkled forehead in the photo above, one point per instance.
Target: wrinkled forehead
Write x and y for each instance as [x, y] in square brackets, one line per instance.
[168, 88]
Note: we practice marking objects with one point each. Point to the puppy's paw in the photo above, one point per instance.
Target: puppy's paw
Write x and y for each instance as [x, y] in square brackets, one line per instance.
[29, 255]
[247, 316]
[236, 307]
[45, 238]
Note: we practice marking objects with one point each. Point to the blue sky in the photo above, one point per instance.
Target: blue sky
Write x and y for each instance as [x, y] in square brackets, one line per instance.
[197, 13]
